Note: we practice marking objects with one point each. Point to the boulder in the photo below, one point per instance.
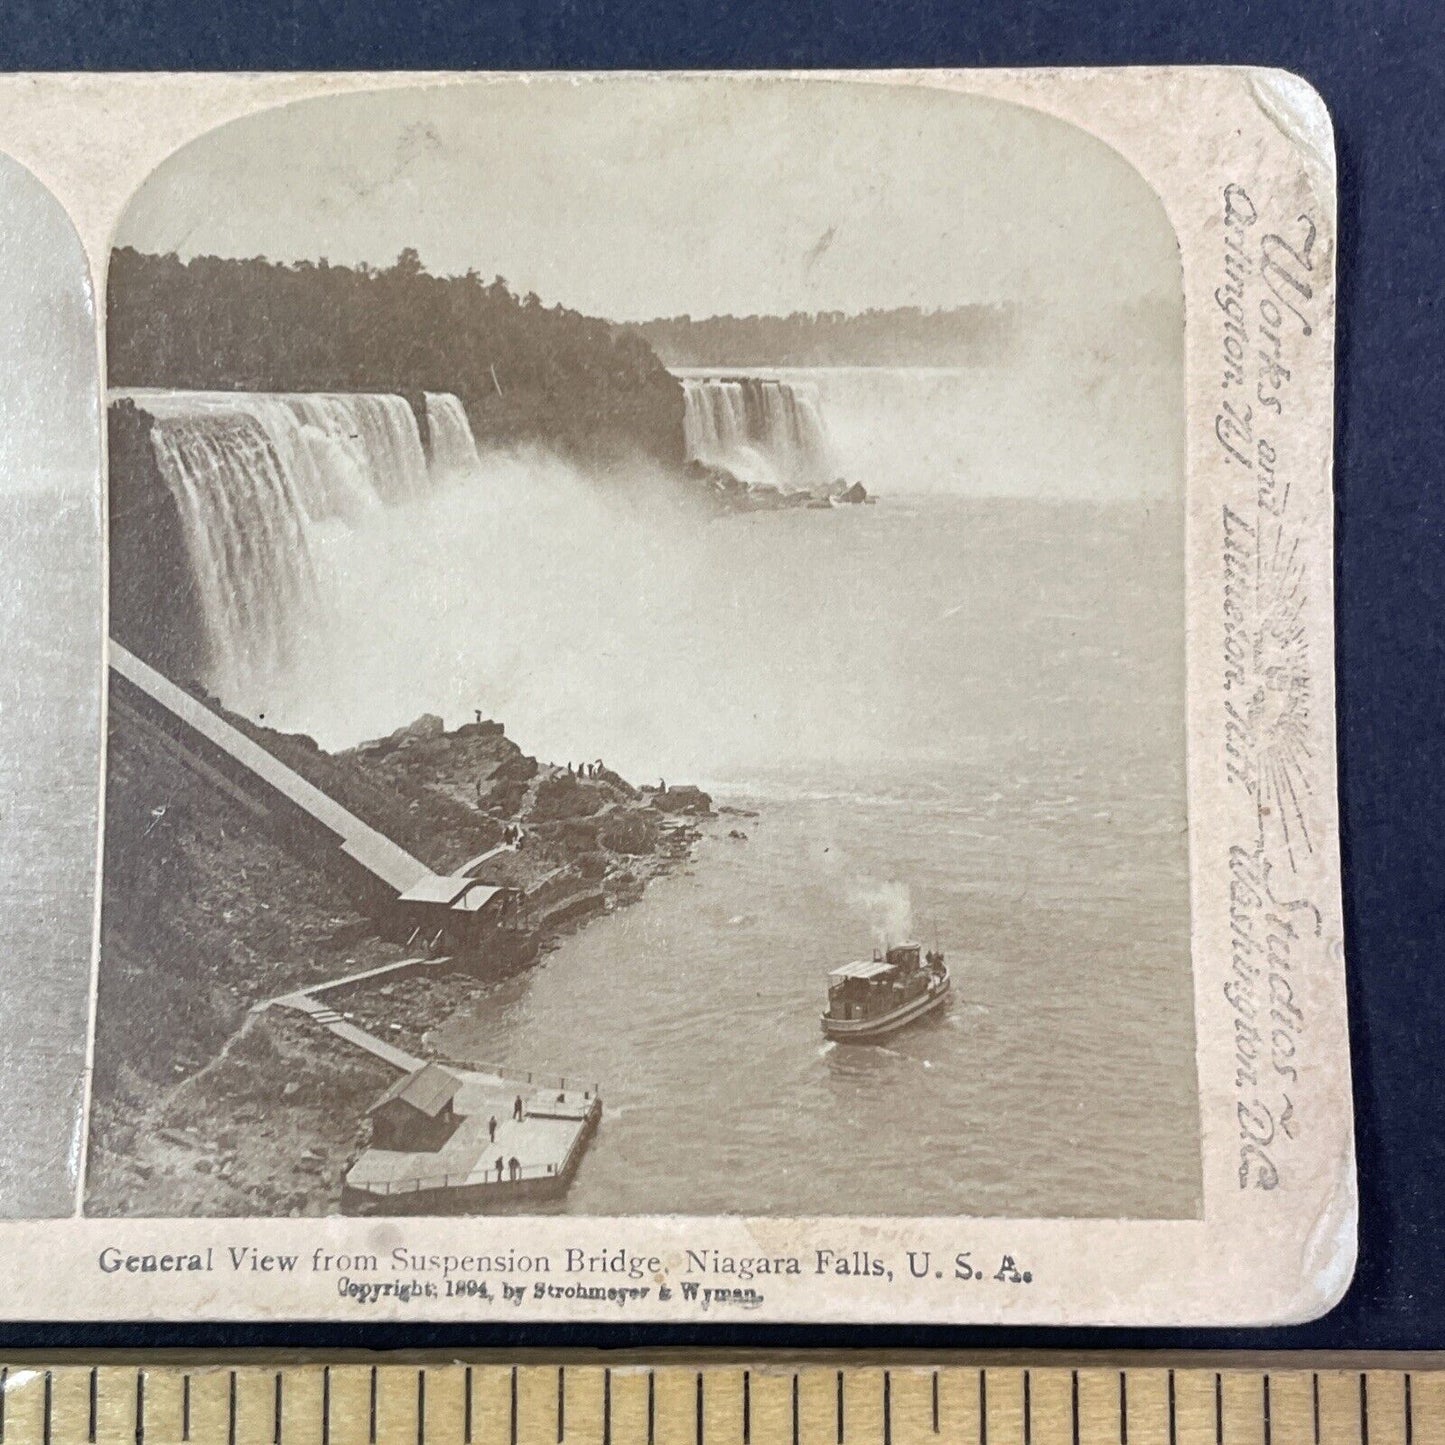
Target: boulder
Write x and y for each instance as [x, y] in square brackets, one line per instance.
[683, 799]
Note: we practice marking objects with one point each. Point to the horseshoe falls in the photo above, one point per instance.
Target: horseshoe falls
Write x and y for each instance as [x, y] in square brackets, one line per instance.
[764, 431]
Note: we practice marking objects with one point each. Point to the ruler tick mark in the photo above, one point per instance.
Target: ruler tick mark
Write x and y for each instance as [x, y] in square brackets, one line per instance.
[231, 1412]
[514, 1408]
[1409, 1413]
[935, 1402]
[140, 1407]
[887, 1408]
[467, 1407]
[1074, 1404]
[326, 1405]
[1173, 1413]
[1315, 1398]
[651, 1407]
[698, 1408]
[982, 1408]
[49, 1407]
[185, 1409]
[1218, 1409]
[1364, 1410]
[795, 1410]
[371, 1428]
[275, 1411]
[1123, 1408]
[561, 1402]
[840, 1407]
[606, 1407]
[1028, 1410]
[420, 1407]
[1268, 1423]
[747, 1408]
[95, 1405]
[4, 1387]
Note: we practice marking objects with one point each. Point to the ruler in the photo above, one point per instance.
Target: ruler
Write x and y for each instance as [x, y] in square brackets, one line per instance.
[623, 1400]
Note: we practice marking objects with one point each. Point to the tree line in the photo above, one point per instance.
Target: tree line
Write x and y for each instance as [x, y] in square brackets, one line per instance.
[524, 370]
[896, 336]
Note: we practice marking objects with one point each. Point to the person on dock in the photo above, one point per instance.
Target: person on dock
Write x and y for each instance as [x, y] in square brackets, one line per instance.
[492, 1129]
[518, 1112]
[514, 1168]
[499, 1168]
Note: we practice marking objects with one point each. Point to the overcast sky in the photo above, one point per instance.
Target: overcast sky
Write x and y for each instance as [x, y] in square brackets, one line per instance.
[49, 417]
[638, 198]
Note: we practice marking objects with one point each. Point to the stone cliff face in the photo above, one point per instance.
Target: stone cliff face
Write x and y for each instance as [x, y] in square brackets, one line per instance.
[200, 895]
[155, 603]
[205, 1108]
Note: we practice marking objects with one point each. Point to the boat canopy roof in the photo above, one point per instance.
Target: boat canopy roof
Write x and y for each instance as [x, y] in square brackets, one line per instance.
[865, 968]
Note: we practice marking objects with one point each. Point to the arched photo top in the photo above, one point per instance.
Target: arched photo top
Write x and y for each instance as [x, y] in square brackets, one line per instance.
[604, 193]
[642, 201]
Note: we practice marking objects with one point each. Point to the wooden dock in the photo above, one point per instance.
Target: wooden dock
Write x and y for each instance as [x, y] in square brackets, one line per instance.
[559, 1117]
[531, 1158]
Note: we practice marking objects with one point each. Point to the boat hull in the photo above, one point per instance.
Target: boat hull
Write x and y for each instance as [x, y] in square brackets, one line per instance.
[863, 1031]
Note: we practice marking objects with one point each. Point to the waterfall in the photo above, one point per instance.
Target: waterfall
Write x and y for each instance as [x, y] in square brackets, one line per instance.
[254, 475]
[453, 447]
[765, 432]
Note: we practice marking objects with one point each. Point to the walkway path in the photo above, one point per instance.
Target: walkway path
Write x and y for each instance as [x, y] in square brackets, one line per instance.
[472, 864]
[206, 733]
[545, 1142]
[327, 985]
[328, 1018]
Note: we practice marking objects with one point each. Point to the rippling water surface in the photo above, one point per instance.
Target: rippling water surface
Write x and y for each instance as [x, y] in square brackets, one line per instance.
[1031, 817]
[49, 796]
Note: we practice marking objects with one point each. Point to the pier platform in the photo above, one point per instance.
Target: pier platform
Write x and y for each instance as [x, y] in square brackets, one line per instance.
[462, 1176]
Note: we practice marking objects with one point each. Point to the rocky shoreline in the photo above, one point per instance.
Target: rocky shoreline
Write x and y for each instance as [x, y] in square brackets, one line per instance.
[204, 1106]
[732, 494]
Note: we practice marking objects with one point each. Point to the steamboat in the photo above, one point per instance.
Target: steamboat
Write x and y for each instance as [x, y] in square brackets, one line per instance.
[873, 997]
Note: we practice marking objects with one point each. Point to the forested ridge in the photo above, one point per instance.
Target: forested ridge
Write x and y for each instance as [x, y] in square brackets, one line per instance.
[525, 371]
[898, 336]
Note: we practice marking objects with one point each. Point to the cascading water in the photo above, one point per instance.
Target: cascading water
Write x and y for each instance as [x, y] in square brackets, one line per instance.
[453, 447]
[254, 475]
[763, 431]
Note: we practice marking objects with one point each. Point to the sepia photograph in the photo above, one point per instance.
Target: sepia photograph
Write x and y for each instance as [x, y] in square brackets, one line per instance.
[671, 697]
[51, 684]
[647, 663]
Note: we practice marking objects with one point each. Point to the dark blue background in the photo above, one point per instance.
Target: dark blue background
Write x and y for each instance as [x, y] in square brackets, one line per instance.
[1381, 68]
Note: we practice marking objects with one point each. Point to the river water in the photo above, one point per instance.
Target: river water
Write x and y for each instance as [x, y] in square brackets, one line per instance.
[990, 753]
[959, 711]
[50, 609]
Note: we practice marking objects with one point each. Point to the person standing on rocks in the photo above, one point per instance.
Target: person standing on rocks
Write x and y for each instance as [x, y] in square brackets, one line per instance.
[492, 1129]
